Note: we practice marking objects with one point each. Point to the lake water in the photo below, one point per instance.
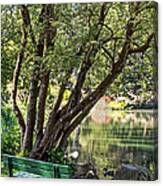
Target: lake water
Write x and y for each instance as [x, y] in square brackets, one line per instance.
[109, 139]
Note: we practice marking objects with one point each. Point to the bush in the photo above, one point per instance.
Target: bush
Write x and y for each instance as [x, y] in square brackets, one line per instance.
[10, 132]
[56, 156]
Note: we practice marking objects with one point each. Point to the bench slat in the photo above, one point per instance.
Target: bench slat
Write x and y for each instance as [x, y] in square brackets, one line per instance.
[45, 169]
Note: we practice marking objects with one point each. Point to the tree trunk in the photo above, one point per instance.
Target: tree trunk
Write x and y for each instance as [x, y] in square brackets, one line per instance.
[41, 108]
[31, 113]
[45, 41]
[31, 116]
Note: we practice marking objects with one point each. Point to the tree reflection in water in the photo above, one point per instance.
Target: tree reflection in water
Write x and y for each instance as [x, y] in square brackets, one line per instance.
[128, 138]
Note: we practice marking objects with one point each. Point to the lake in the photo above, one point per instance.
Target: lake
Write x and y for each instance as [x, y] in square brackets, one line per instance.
[109, 139]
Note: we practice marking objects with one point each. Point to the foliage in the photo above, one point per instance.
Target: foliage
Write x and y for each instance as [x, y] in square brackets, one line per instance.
[117, 105]
[74, 29]
[10, 132]
[57, 156]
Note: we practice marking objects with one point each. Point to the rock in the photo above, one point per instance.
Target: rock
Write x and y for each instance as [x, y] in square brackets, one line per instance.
[132, 172]
[108, 172]
[85, 171]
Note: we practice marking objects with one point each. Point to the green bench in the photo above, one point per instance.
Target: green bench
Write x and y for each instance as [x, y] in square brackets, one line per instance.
[36, 167]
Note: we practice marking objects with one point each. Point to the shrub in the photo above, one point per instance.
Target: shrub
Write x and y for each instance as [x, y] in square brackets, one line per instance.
[10, 132]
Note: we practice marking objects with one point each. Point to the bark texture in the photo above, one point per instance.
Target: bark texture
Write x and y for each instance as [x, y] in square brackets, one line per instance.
[41, 107]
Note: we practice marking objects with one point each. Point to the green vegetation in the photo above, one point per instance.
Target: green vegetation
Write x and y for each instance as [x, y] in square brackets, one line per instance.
[117, 105]
[10, 132]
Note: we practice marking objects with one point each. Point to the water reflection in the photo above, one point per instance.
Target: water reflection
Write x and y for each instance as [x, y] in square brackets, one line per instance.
[126, 138]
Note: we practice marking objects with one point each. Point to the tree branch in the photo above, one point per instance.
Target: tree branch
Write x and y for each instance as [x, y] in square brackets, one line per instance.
[108, 53]
[142, 48]
[60, 97]
[67, 131]
[27, 22]
[17, 71]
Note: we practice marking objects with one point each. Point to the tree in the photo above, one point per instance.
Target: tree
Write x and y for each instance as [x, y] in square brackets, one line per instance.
[65, 45]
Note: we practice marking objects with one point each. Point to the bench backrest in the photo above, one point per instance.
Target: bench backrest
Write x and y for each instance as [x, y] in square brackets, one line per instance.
[44, 169]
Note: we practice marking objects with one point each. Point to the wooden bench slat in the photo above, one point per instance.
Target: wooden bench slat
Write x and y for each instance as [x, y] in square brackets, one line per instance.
[45, 169]
[65, 176]
[35, 170]
[32, 164]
